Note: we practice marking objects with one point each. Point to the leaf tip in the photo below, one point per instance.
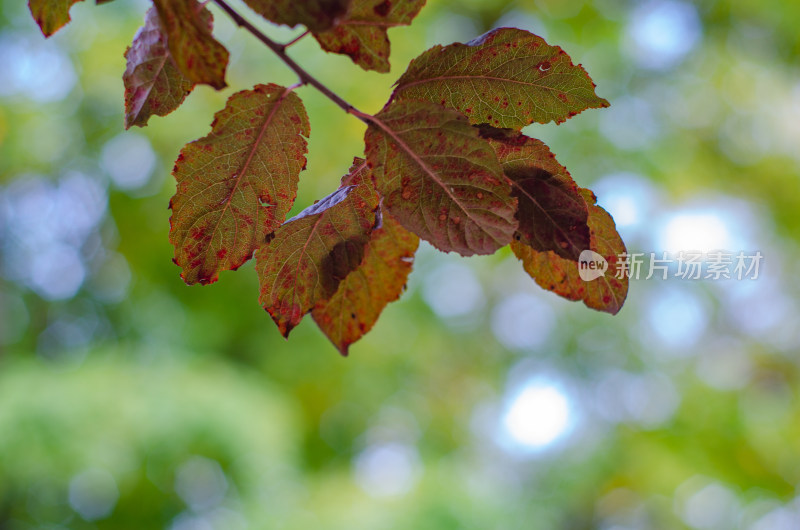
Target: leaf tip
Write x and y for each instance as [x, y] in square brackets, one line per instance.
[189, 278]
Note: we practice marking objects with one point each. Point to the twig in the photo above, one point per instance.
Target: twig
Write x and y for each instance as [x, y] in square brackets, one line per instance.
[279, 50]
[296, 39]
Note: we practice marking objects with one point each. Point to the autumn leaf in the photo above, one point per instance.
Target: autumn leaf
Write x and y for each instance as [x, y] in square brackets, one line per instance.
[506, 78]
[606, 293]
[552, 214]
[381, 278]
[153, 83]
[316, 15]
[313, 252]
[236, 185]
[439, 179]
[363, 34]
[557, 221]
[51, 15]
[198, 56]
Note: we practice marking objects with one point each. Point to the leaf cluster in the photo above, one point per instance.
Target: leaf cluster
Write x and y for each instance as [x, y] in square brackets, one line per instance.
[444, 160]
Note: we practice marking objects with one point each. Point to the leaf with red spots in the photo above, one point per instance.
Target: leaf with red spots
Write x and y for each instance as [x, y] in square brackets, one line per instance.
[234, 186]
[316, 15]
[350, 313]
[606, 293]
[440, 179]
[362, 35]
[312, 253]
[153, 83]
[51, 15]
[198, 56]
[552, 214]
[506, 78]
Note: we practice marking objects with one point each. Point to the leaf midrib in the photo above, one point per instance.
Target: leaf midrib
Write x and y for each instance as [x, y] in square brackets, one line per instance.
[149, 89]
[546, 213]
[246, 166]
[473, 77]
[421, 163]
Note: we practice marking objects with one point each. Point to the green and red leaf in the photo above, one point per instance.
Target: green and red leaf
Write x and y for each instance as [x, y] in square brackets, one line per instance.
[51, 15]
[552, 213]
[554, 273]
[312, 253]
[506, 78]
[316, 15]
[197, 54]
[363, 36]
[440, 179]
[236, 185]
[153, 83]
[380, 279]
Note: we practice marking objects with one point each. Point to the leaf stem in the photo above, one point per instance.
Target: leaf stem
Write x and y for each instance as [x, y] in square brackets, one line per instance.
[279, 50]
[296, 39]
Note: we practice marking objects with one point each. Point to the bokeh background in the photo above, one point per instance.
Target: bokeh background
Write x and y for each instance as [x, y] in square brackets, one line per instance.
[129, 400]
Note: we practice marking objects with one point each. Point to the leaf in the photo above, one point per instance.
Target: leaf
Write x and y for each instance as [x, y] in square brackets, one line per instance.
[314, 251]
[439, 179]
[316, 15]
[198, 56]
[381, 278]
[606, 293]
[51, 15]
[153, 83]
[506, 78]
[552, 214]
[363, 34]
[236, 185]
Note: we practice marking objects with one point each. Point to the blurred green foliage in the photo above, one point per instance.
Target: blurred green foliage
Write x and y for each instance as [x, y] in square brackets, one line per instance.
[134, 401]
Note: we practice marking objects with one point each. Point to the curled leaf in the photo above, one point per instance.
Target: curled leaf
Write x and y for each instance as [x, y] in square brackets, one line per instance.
[363, 36]
[552, 213]
[51, 15]
[506, 78]
[314, 251]
[316, 15]
[234, 186]
[606, 293]
[198, 55]
[153, 83]
[440, 179]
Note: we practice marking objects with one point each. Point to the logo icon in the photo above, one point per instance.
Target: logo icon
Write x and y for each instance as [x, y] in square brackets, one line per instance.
[591, 265]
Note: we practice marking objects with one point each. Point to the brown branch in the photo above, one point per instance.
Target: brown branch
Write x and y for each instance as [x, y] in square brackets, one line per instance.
[280, 51]
[363, 116]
